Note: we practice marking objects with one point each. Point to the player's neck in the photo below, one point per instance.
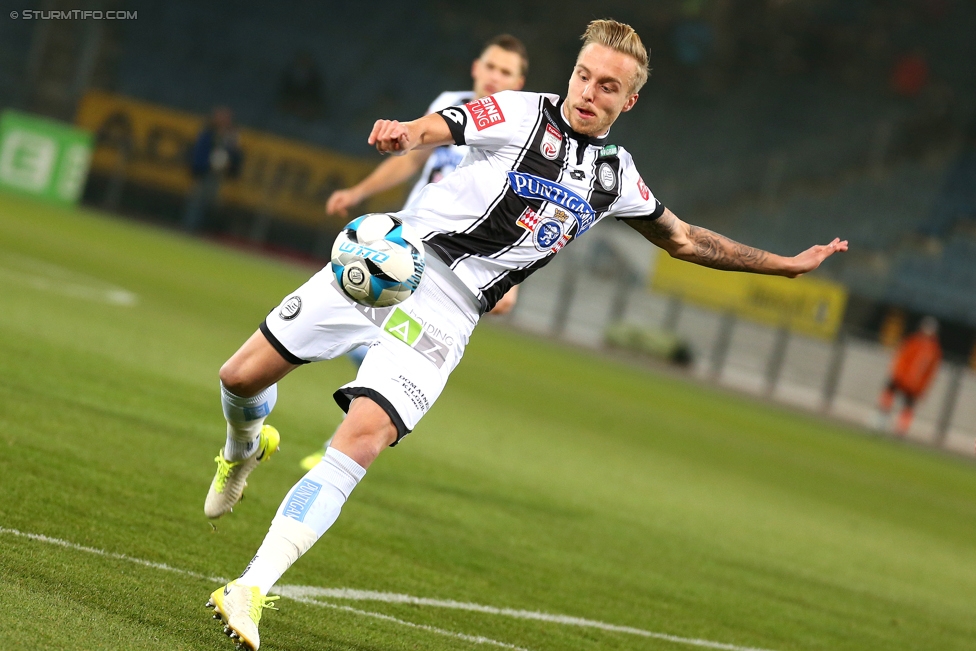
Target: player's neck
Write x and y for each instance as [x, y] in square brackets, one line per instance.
[565, 117]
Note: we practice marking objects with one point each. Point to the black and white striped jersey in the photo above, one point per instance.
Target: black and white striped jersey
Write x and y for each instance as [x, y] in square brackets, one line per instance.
[528, 186]
[443, 160]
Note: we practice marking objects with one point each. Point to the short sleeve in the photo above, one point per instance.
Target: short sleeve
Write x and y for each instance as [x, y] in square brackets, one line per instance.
[636, 199]
[488, 123]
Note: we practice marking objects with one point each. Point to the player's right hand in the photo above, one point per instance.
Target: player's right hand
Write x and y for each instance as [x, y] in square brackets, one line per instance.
[390, 137]
[341, 201]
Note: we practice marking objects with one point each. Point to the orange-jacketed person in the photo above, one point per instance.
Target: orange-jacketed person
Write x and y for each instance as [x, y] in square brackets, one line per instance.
[912, 370]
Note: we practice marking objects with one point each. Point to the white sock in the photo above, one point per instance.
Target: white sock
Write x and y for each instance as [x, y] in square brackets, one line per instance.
[245, 417]
[311, 507]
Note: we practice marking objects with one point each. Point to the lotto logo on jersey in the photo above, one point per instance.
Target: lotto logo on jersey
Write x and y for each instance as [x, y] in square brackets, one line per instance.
[552, 141]
[644, 192]
[528, 219]
[485, 112]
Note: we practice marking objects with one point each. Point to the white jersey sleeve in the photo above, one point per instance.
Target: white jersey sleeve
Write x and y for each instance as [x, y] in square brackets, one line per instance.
[490, 122]
[636, 201]
[443, 160]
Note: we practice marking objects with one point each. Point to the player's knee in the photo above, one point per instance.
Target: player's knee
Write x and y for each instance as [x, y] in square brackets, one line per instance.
[368, 428]
[235, 380]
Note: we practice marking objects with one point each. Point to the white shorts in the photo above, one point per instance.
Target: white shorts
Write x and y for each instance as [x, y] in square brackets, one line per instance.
[413, 347]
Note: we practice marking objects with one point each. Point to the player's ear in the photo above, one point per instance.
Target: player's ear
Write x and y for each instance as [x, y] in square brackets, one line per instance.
[474, 67]
[630, 103]
[519, 84]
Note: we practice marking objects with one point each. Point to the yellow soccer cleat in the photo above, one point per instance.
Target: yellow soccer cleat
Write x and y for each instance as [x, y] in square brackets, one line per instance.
[231, 478]
[239, 607]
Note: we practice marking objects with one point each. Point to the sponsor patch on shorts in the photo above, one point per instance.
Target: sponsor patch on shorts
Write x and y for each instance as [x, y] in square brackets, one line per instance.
[404, 328]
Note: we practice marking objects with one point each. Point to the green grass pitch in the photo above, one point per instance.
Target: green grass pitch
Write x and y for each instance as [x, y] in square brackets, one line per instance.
[545, 479]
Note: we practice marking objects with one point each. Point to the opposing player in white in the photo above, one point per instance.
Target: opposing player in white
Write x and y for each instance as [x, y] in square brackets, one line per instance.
[502, 65]
[540, 173]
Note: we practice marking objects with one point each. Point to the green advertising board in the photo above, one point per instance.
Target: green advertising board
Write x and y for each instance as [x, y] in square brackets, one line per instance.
[42, 157]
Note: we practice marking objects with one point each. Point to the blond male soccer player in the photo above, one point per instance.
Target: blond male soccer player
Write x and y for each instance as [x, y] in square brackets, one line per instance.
[502, 65]
[541, 173]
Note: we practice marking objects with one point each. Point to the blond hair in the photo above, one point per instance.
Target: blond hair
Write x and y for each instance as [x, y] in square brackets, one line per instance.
[622, 38]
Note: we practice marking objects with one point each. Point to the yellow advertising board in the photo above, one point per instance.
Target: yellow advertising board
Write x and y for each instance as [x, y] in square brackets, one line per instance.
[150, 146]
[808, 305]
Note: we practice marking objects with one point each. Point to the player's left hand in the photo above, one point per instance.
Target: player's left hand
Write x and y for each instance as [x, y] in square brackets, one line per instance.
[812, 257]
[391, 137]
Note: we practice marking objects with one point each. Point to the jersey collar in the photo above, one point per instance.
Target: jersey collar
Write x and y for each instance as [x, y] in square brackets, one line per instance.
[578, 137]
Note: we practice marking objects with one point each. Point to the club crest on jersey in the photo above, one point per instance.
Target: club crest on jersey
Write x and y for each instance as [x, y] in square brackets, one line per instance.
[552, 142]
[485, 112]
[529, 186]
[608, 178]
[547, 232]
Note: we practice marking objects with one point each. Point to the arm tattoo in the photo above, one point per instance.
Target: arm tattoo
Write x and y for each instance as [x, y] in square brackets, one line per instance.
[719, 252]
[661, 228]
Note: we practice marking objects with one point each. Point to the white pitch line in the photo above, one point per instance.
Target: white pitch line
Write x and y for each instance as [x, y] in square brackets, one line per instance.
[47, 277]
[308, 594]
[300, 592]
[477, 639]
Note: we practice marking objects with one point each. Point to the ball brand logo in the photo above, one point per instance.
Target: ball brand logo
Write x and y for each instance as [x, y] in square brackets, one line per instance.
[364, 252]
[290, 308]
[528, 186]
[485, 112]
[419, 264]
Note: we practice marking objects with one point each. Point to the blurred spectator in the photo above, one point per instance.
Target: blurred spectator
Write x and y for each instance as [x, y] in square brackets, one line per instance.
[910, 74]
[300, 91]
[912, 370]
[216, 155]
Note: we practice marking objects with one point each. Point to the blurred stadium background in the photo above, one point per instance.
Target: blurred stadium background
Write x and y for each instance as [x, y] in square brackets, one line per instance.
[780, 123]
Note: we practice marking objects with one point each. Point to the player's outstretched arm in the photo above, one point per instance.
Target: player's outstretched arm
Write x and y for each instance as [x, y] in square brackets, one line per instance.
[709, 249]
[397, 138]
[388, 174]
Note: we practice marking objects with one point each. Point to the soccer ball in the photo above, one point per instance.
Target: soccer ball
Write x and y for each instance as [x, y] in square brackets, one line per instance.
[377, 260]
